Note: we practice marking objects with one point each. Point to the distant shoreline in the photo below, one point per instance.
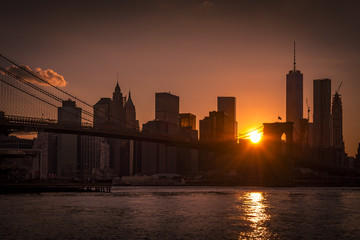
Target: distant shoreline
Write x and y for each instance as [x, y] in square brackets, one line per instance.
[106, 187]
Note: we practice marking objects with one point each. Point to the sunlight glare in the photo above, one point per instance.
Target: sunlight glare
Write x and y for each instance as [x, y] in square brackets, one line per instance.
[255, 136]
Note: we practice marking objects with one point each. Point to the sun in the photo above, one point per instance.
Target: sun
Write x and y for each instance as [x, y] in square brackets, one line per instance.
[255, 137]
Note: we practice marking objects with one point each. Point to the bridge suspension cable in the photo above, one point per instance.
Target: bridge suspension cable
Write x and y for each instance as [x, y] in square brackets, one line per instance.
[247, 134]
[34, 96]
[48, 94]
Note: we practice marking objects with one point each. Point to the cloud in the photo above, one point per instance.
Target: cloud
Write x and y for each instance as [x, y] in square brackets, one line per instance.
[48, 75]
[207, 4]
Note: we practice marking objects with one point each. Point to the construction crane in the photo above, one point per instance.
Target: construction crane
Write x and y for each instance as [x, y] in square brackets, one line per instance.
[308, 109]
[337, 91]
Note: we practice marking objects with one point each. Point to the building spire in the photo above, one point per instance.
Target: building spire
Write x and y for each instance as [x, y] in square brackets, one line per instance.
[129, 102]
[117, 87]
[294, 58]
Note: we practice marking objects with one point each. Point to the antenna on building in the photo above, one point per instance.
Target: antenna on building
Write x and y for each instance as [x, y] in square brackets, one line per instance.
[117, 77]
[294, 58]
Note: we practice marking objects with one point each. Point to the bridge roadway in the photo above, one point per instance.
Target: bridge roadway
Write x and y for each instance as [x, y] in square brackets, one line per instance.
[9, 123]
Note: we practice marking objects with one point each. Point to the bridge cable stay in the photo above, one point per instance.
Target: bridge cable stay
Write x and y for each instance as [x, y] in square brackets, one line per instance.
[47, 102]
[62, 91]
[31, 85]
[247, 134]
[32, 95]
[15, 101]
[74, 97]
[41, 90]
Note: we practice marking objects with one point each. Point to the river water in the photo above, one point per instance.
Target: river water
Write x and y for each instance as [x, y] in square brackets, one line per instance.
[184, 213]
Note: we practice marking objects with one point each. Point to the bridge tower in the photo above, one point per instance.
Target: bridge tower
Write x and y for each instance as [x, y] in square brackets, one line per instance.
[278, 165]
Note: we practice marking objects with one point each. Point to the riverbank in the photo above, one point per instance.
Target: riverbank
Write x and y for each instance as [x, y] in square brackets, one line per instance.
[55, 186]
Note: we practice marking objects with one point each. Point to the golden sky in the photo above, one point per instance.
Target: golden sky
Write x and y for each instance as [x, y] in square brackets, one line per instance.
[197, 50]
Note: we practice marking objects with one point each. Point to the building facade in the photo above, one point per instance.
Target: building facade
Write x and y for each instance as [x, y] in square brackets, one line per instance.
[337, 122]
[167, 107]
[212, 127]
[188, 126]
[322, 117]
[228, 106]
[118, 113]
[68, 144]
[294, 101]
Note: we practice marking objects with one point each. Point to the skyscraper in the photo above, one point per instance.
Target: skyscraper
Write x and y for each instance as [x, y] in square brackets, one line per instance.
[322, 105]
[115, 113]
[102, 113]
[212, 128]
[294, 99]
[337, 129]
[187, 120]
[117, 116]
[167, 107]
[130, 114]
[69, 113]
[228, 106]
[159, 157]
[67, 144]
[188, 126]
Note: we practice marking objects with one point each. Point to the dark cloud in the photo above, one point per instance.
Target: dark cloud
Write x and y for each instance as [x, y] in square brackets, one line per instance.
[48, 75]
[207, 4]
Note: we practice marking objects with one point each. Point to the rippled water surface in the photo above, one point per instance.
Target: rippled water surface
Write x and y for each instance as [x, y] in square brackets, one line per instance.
[184, 213]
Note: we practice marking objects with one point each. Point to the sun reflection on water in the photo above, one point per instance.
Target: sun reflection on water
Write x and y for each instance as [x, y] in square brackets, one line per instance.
[254, 213]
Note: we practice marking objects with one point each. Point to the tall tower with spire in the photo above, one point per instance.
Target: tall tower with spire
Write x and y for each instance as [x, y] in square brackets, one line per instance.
[130, 114]
[337, 129]
[294, 99]
[117, 108]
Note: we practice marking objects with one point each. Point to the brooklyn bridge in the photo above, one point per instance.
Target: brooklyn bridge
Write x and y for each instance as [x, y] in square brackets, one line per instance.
[75, 139]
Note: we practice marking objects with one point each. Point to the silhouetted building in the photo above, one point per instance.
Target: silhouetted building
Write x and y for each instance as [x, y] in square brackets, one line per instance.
[337, 128]
[109, 113]
[102, 112]
[130, 114]
[14, 142]
[212, 127]
[322, 105]
[357, 159]
[304, 131]
[94, 158]
[67, 144]
[187, 120]
[311, 133]
[156, 157]
[228, 106]
[188, 126]
[47, 142]
[294, 99]
[159, 157]
[18, 160]
[167, 107]
[69, 113]
[117, 113]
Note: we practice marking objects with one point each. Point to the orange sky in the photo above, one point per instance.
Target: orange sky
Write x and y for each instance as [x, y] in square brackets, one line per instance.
[197, 50]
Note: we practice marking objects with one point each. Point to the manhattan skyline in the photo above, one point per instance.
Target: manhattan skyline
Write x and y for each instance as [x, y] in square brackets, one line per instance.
[197, 50]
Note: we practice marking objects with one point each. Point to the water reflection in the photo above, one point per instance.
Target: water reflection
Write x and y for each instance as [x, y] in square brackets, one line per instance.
[254, 214]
